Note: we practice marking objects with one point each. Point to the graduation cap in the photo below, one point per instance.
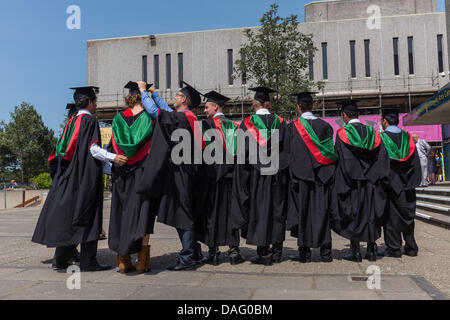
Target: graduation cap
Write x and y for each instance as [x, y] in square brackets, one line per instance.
[304, 98]
[72, 107]
[85, 93]
[349, 105]
[262, 93]
[389, 111]
[192, 94]
[134, 88]
[217, 98]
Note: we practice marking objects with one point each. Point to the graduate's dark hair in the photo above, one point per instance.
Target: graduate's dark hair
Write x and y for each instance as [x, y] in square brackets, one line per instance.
[305, 106]
[351, 114]
[392, 119]
[81, 104]
[133, 99]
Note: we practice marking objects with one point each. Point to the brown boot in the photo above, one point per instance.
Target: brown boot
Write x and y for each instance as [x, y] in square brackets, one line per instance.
[143, 264]
[124, 264]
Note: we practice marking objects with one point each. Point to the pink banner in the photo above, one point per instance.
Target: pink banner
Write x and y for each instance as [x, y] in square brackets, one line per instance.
[429, 133]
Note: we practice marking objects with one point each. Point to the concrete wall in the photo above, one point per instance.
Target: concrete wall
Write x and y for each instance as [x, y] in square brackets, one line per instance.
[16, 197]
[353, 9]
[423, 27]
[112, 63]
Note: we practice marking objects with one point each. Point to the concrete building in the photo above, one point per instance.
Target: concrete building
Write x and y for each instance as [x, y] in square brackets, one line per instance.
[384, 52]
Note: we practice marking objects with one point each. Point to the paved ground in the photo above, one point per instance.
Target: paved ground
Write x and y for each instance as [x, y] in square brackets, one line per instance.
[25, 271]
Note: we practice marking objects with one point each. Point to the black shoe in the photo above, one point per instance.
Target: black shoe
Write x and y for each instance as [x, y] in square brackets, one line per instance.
[182, 267]
[236, 259]
[59, 267]
[304, 258]
[76, 256]
[212, 259]
[294, 257]
[198, 258]
[355, 257]
[392, 253]
[95, 266]
[327, 258]
[264, 260]
[371, 256]
[277, 258]
[371, 253]
[411, 253]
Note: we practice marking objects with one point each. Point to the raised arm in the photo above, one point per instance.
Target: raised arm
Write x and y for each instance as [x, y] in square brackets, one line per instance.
[148, 103]
[160, 102]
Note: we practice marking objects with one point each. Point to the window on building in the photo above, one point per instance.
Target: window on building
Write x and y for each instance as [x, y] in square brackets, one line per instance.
[230, 67]
[311, 64]
[168, 72]
[396, 65]
[180, 69]
[156, 68]
[352, 59]
[410, 55]
[244, 74]
[367, 56]
[144, 68]
[324, 61]
[440, 57]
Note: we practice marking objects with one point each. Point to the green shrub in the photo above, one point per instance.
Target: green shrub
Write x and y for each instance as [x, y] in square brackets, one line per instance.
[43, 181]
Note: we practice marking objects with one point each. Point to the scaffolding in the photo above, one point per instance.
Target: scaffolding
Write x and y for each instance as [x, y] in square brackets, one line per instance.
[405, 91]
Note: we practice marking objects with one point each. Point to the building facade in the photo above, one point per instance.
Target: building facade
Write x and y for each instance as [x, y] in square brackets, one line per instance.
[383, 52]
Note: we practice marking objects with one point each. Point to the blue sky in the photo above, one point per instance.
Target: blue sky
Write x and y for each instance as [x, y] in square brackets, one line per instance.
[40, 58]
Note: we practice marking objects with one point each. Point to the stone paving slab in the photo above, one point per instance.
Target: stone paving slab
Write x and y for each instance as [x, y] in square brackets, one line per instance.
[289, 294]
[8, 273]
[58, 290]
[10, 287]
[191, 293]
[257, 282]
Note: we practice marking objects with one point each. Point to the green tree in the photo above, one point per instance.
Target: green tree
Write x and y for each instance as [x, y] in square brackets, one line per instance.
[28, 140]
[277, 55]
[8, 162]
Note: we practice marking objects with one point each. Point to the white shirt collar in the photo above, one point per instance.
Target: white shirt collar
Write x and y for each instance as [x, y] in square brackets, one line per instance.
[262, 111]
[308, 116]
[354, 121]
[218, 114]
[84, 111]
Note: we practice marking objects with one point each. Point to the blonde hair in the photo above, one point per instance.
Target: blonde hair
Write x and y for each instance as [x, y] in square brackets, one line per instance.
[132, 99]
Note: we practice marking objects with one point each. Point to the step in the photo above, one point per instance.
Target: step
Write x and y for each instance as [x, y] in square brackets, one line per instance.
[433, 198]
[441, 209]
[434, 218]
[445, 192]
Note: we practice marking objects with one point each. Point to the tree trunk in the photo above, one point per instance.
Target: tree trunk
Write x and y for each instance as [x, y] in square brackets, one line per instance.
[21, 164]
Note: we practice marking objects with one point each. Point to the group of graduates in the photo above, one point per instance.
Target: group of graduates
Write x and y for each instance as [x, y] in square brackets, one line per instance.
[358, 184]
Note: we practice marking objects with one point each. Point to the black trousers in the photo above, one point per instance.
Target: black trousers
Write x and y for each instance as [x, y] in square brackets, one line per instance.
[87, 255]
[393, 240]
[325, 250]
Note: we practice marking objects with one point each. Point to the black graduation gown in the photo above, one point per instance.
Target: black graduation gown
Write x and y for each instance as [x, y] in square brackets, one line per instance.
[174, 184]
[72, 213]
[260, 201]
[404, 177]
[358, 196]
[132, 214]
[214, 204]
[309, 214]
